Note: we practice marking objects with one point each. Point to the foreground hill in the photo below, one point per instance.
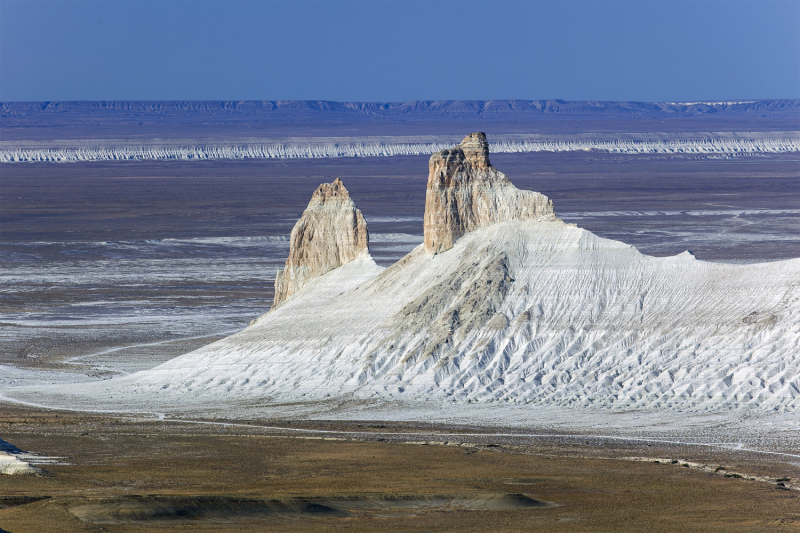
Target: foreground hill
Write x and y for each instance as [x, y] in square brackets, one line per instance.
[520, 312]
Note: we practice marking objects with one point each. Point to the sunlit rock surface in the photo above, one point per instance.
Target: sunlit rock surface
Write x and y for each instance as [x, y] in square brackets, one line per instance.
[466, 193]
[331, 233]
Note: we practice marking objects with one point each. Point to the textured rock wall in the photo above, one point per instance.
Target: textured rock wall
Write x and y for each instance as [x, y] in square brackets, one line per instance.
[465, 193]
[331, 233]
[71, 150]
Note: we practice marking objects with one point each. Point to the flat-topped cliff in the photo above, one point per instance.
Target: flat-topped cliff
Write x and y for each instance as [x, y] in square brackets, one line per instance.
[465, 192]
[331, 233]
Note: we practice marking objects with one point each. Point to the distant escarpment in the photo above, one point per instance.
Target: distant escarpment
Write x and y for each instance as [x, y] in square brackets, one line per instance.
[135, 112]
[331, 233]
[465, 192]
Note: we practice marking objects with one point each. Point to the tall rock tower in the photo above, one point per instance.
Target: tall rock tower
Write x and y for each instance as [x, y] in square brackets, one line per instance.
[466, 192]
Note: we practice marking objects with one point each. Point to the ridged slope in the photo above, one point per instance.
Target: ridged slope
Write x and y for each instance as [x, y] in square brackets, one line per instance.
[518, 312]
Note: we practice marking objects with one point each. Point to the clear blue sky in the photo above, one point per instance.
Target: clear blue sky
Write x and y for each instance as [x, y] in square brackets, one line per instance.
[644, 50]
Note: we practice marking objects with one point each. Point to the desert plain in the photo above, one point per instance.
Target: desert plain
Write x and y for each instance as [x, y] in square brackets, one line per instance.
[111, 267]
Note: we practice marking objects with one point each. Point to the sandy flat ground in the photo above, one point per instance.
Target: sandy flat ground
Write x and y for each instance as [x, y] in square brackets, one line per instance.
[121, 474]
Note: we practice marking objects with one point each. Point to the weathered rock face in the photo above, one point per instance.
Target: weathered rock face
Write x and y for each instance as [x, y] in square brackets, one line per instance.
[465, 192]
[332, 232]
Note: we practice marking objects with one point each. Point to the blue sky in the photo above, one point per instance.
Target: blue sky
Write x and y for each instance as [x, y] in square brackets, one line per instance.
[645, 50]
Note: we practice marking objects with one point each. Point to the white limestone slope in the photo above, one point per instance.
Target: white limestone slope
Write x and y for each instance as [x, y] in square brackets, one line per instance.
[518, 312]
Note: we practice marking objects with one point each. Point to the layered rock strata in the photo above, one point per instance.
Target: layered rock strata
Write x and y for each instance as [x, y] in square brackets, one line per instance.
[465, 192]
[332, 232]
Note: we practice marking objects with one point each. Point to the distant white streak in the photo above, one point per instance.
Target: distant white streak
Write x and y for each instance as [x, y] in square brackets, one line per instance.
[67, 151]
[158, 343]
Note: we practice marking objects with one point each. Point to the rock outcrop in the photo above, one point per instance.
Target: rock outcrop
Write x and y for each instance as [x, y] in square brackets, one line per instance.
[465, 192]
[14, 466]
[332, 232]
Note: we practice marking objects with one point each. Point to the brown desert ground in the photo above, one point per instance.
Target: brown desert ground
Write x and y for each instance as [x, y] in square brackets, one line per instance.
[123, 474]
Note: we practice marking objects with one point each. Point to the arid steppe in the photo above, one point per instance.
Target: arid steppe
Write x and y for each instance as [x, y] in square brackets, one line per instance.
[122, 474]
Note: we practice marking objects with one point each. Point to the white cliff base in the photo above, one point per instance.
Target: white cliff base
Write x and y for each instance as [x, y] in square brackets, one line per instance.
[518, 312]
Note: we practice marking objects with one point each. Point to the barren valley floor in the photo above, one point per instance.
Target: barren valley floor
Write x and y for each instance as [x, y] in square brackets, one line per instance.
[122, 474]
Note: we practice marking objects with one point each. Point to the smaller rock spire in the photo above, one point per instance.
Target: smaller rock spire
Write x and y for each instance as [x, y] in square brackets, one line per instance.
[332, 232]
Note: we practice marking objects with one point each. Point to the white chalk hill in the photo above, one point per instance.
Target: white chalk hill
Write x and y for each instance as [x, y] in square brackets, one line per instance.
[519, 311]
